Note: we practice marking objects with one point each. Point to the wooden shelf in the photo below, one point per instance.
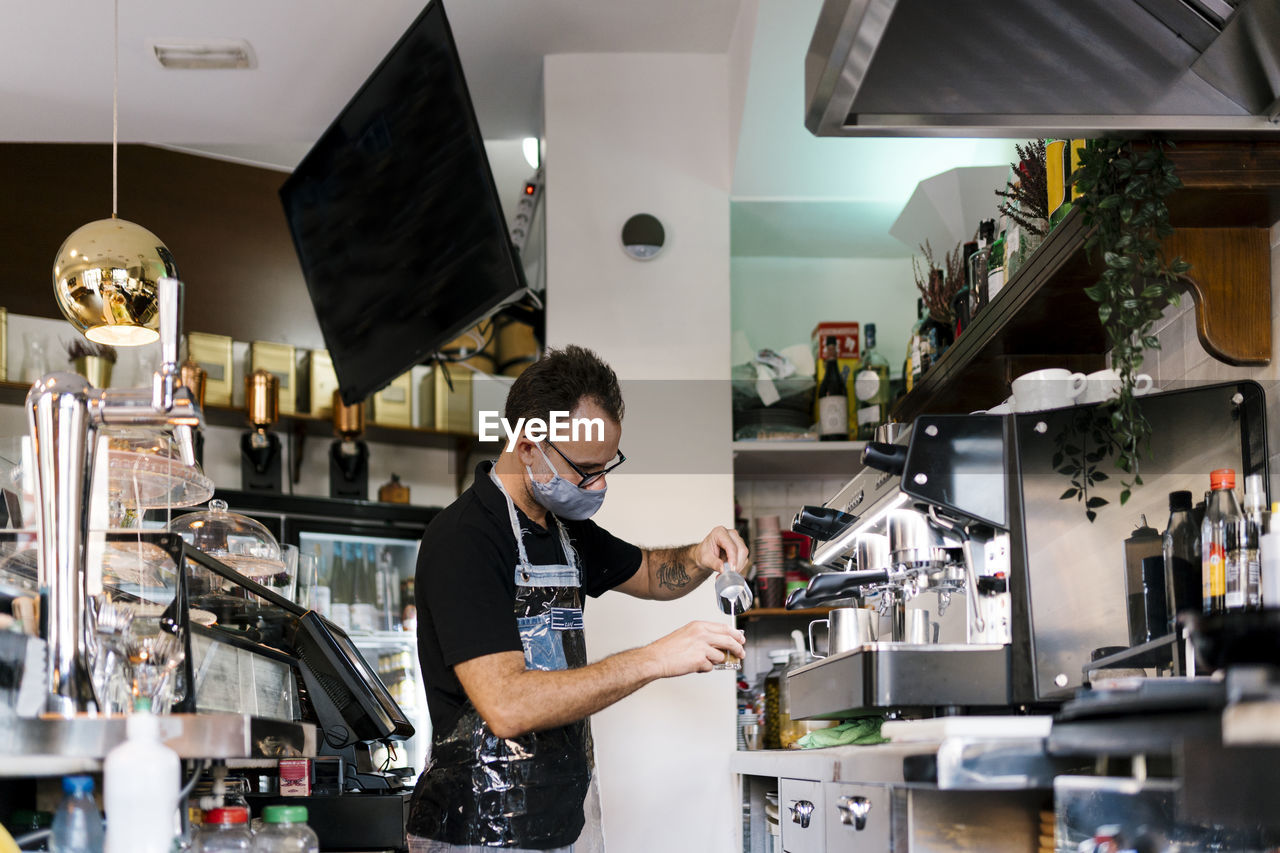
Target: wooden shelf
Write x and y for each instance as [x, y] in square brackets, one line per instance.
[1042, 318]
[767, 459]
[15, 393]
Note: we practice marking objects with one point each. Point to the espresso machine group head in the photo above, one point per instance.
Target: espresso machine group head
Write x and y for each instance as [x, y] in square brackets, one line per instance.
[348, 454]
[260, 456]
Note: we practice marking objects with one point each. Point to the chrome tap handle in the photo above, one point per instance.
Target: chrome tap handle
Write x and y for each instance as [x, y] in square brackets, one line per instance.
[170, 330]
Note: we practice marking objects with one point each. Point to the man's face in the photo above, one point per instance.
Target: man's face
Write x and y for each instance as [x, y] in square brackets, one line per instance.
[589, 453]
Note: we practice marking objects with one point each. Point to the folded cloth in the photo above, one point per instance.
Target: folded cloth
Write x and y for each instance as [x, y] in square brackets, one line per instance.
[860, 732]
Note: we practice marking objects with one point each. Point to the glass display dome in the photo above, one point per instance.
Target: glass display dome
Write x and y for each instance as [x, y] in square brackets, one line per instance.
[237, 540]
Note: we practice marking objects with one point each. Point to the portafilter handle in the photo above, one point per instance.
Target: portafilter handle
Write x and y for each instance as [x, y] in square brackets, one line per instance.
[821, 522]
[885, 457]
[829, 586]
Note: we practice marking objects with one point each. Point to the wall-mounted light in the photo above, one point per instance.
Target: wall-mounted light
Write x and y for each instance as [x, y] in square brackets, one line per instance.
[529, 145]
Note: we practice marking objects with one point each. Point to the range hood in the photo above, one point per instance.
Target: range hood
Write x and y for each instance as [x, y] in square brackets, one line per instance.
[1043, 68]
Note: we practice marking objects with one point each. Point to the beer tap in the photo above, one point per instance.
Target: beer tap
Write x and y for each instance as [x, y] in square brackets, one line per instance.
[65, 415]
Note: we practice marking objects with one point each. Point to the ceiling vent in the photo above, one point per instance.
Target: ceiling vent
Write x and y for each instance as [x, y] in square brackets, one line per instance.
[203, 54]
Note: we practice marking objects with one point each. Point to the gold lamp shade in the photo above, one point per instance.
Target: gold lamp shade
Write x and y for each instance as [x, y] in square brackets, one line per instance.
[104, 278]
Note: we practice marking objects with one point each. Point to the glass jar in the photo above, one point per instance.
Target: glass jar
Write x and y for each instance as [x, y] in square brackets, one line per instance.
[790, 731]
[772, 698]
[225, 830]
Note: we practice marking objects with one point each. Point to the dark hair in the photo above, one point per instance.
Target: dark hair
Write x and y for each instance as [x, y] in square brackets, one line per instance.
[559, 381]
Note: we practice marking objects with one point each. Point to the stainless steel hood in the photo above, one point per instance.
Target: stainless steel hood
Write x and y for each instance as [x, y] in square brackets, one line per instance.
[1043, 67]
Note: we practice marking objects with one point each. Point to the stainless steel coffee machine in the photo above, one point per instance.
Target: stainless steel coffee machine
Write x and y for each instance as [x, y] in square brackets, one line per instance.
[987, 531]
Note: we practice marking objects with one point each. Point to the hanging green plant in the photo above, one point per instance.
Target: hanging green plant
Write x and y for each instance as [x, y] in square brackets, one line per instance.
[1122, 197]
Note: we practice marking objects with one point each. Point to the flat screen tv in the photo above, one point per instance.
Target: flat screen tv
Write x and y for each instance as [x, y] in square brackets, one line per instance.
[396, 219]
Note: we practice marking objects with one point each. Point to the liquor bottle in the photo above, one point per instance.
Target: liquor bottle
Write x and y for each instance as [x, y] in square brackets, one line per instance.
[1181, 550]
[833, 398]
[1220, 565]
[363, 597]
[978, 263]
[911, 368]
[996, 268]
[340, 589]
[871, 387]
[1249, 540]
[322, 593]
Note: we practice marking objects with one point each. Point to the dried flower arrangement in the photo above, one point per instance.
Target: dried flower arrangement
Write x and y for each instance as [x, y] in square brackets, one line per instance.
[81, 348]
[937, 286]
[1026, 199]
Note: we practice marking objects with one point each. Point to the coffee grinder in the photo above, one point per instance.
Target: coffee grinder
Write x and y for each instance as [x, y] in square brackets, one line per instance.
[348, 455]
[260, 457]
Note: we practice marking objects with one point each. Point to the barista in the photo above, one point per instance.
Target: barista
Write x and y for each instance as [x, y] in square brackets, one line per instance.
[502, 574]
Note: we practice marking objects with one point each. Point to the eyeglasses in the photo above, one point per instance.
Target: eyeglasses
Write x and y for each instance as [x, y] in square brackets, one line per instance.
[588, 477]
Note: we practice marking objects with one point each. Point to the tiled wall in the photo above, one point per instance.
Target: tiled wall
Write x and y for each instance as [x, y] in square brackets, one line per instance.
[782, 497]
[1181, 360]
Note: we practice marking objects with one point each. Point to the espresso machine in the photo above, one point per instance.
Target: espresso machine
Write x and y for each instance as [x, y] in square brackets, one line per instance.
[1023, 594]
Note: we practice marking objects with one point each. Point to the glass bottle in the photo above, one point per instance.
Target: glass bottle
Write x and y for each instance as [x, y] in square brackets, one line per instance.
[911, 369]
[362, 597]
[322, 592]
[996, 268]
[1180, 547]
[340, 589]
[1255, 523]
[833, 398]
[978, 264]
[871, 388]
[1219, 561]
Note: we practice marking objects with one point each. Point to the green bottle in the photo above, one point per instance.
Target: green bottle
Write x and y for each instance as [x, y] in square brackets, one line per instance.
[871, 387]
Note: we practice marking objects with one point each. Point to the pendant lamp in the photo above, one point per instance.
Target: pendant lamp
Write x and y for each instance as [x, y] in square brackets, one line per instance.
[106, 272]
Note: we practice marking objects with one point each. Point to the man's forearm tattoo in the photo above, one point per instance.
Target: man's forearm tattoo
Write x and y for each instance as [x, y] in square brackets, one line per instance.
[673, 575]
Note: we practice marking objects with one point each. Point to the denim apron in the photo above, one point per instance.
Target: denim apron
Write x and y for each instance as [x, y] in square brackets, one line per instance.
[525, 792]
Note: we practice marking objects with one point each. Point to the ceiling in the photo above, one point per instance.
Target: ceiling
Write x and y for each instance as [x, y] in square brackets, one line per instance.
[56, 64]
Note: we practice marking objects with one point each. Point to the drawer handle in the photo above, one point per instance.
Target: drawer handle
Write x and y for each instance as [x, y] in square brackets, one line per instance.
[802, 813]
[853, 811]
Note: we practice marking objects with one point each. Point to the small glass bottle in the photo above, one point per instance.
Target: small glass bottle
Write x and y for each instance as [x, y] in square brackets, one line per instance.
[1255, 523]
[1219, 561]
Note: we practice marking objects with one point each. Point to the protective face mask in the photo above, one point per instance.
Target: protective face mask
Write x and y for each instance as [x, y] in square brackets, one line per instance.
[561, 498]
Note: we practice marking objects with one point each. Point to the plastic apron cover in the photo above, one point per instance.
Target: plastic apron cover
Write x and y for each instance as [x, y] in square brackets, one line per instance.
[526, 791]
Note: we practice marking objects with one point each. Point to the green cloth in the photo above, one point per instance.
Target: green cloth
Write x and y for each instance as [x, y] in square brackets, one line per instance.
[859, 732]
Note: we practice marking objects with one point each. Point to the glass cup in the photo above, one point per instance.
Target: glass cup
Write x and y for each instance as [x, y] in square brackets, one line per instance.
[306, 579]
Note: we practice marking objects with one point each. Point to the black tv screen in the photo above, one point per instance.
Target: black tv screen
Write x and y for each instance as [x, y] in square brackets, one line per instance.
[395, 216]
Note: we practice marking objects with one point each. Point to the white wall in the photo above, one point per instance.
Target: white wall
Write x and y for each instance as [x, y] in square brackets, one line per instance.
[650, 133]
[778, 301]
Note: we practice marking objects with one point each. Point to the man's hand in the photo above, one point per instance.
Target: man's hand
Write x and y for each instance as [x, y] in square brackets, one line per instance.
[722, 546]
[697, 647]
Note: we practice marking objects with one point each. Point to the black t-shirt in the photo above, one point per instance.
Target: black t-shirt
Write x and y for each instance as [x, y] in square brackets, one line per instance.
[465, 583]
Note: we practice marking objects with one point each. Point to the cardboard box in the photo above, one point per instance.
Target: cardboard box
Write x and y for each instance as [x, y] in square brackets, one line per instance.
[393, 405]
[279, 360]
[213, 353]
[323, 382]
[443, 409]
[295, 777]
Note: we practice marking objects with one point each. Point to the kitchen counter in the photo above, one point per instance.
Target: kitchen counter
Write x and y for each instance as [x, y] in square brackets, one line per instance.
[953, 763]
